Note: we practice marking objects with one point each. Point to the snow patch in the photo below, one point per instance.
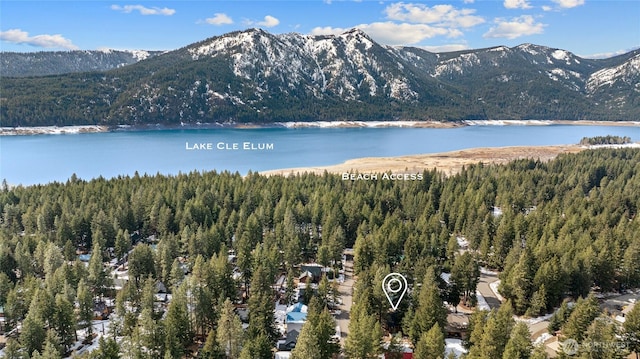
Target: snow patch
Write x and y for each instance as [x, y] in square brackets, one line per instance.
[542, 339]
[482, 303]
[455, 346]
[561, 55]
[494, 289]
[626, 72]
[50, 130]
[139, 55]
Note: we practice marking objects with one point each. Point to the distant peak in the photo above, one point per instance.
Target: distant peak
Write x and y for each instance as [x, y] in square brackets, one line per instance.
[255, 29]
[355, 32]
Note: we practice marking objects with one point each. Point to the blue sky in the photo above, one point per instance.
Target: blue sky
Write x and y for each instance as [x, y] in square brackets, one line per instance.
[585, 27]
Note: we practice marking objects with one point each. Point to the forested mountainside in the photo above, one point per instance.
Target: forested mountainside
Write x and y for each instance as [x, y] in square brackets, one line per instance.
[566, 228]
[255, 76]
[43, 63]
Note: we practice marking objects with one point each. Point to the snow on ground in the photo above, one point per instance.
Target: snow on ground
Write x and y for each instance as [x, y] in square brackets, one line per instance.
[462, 242]
[482, 303]
[507, 122]
[626, 145]
[532, 321]
[100, 328]
[543, 338]
[486, 271]
[455, 346]
[50, 130]
[494, 289]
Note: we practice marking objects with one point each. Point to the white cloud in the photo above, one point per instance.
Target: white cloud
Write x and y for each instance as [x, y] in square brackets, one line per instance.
[143, 10]
[605, 55]
[569, 3]
[327, 30]
[219, 19]
[439, 15]
[268, 21]
[445, 47]
[520, 26]
[391, 33]
[468, 1]
[517, 4]
[411, 23]
[18, 36]
[546, 8]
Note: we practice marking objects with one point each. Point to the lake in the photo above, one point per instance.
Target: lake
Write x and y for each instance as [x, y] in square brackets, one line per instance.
[41, 159]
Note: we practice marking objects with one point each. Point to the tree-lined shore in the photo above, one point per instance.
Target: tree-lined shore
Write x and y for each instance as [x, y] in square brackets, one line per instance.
[566, 228]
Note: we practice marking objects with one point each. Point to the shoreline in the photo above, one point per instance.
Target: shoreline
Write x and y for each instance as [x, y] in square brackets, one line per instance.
[449, 163]
[59, 130]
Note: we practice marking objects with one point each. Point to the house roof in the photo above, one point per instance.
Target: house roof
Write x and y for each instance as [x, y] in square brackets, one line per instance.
[315, 269]
[298, 307]
[296, 317]
[305, 274]
[292, 337]
[628, 308]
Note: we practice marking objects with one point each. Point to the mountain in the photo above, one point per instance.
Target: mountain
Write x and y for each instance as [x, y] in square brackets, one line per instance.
[21, 64]
[255, 76]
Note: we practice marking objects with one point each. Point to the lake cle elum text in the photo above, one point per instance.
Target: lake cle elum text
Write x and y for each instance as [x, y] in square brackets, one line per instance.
[228, 146]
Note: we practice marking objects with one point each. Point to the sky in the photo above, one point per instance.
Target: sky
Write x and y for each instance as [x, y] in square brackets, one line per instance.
[588, 28]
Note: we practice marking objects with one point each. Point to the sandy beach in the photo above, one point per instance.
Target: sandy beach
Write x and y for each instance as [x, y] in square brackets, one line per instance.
[446, 162]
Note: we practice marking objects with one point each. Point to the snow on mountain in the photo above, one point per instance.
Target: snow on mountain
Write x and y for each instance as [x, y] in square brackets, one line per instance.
[257, 76]
[628, 73]
[348, 64]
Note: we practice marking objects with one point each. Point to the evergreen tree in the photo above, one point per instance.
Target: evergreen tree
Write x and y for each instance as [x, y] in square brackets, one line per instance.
[465, 275]
[141, 262]
[123, 244]
[477, 321]
[5, 286]
[601, 341]
[519, 345]
[107, 349]
[97, 278]
[229, 333]
[495, 335]
[539, 352]
[429, 310]
[560, 317]
[177, 324]
[152, 335]
[365, 333]
[211, 349]
[85, 307]
[538, 302]
[33, 334]
[64, 322]
[431, 344]
[177, 274]
[290, 289]
[584, 312]
[632, 330]
[518, 285]
[53, 346]
[257, 348]
[13, 350]
[261, 318]
[307, 344]
[316, 339]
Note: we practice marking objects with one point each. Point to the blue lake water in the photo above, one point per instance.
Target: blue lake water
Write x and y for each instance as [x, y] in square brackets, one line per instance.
[45, 158]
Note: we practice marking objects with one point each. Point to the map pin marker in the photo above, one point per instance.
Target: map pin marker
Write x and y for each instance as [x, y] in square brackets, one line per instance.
[394, 286]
